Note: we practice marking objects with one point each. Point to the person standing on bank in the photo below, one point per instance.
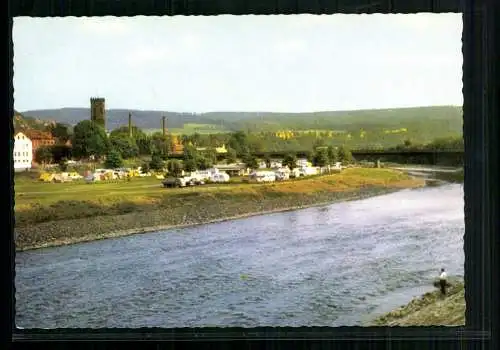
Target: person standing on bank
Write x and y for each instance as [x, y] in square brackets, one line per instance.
[442, 281]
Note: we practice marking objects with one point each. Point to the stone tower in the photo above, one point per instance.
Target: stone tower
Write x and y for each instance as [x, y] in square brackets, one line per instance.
[98, 111]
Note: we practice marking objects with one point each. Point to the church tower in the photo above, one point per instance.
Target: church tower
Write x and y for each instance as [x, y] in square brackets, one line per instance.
[98, 111]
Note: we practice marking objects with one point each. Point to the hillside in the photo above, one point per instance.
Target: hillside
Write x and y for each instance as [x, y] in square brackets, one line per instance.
[418, 123]
[23, 123]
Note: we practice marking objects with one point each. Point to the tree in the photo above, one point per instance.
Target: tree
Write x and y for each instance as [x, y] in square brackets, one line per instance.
[43, 155]
[407, 143]
[63, 164]
[190, 165]
[344, 155]
[320, 157]
[267, 159]
[61, 132]
[145, 167]
[123, 130]
[157, 162]
[174, 167]
[332, 155]
[89, 139]
[190, 153]
[144, 144]
[126, 145]
[250, 161]
[290, 160]
[60, 152]
[210, 155]
[113, 159]
[231, 156]
[195, 139]
[310, 156]
[161, 144]
[319, 142]
[203, 163]
[239, 142]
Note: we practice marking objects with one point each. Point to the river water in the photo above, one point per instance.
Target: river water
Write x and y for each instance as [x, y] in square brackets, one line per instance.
[340, 264]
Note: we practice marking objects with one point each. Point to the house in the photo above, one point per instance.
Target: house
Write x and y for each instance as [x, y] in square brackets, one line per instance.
[177, 146]
[218, 150]
[233, 169]
[40, 139]
[23, 152]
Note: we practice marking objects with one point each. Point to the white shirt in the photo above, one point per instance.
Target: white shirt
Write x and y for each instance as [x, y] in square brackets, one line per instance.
[443, 275]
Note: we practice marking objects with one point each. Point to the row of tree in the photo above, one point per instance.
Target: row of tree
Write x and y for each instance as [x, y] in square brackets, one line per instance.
[90, 141]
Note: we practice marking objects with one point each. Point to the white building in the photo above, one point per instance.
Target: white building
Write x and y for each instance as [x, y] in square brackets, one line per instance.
[23, 152]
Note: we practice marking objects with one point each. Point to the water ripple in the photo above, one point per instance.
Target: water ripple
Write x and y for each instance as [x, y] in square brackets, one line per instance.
[325, 266]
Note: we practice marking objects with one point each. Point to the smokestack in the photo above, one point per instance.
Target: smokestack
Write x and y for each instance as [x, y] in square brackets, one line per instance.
[130, 124]
[164, 125]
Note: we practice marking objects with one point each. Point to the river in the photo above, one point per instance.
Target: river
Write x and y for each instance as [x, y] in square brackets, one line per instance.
[340, 264]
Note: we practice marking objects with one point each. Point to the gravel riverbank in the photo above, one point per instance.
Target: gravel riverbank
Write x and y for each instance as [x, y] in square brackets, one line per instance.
[194, 210]
[431, 309]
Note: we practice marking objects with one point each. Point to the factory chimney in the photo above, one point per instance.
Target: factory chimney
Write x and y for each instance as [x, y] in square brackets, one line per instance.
[130, 124]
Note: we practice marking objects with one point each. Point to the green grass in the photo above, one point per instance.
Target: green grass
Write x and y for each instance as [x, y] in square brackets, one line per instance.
[39, 202]
[54, 214]
[431, 309]
[191, 128]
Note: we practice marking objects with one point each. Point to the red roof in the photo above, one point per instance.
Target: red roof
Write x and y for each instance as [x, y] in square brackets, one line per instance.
[38, 135]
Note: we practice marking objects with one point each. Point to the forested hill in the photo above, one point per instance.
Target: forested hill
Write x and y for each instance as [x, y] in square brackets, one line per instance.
[432, 121]
[23, 123]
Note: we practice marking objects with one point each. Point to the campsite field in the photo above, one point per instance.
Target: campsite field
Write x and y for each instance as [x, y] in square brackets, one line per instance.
[62, 213]
[30, 192]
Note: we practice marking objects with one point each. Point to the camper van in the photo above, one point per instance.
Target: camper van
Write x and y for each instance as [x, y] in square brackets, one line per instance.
[219, 177]
[262, 176]
[282, 174]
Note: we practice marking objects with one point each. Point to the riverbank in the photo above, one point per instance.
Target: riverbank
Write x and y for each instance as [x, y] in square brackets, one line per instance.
[431, 309]
[105, 211]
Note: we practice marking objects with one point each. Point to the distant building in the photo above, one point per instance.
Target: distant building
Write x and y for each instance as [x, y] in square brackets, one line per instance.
[221, 149]
[98, 111]
[177, 146]
[39, 139]
[23, 152]
[218, 150]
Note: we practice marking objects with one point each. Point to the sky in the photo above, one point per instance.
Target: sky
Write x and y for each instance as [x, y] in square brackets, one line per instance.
[294, 63]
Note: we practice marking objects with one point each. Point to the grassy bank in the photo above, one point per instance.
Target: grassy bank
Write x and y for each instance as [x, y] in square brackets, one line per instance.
[454, 177]
[53, 214]
[431, 309]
